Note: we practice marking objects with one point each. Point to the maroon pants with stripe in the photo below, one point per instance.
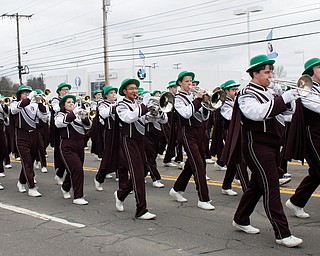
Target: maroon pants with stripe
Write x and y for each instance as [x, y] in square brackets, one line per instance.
[263, 159]
[151, 142]
[27, 146]
[310, 183]
[133, 152]
[195, 165]
[72, 154]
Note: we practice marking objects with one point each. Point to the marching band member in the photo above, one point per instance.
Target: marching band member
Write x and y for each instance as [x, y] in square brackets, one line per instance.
[259, 114]
[106, 113]
[191, 115]
[96, 131]
[151, 141]
[97, 94]
[72, 124]
[62, 90]
[4, 111]
[310, 110]
[132, 133]
[231, 88]
[26, 111]
[171, 130]
[43, 134]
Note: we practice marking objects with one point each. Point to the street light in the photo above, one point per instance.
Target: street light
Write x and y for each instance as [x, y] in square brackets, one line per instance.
[247, 12]
[132, 36]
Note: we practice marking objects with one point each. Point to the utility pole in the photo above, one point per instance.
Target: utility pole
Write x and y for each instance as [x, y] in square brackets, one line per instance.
[177, 65]
[105, 9]
[21, 69]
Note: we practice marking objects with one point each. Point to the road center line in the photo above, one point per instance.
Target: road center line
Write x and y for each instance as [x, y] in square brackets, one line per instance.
[39, 215]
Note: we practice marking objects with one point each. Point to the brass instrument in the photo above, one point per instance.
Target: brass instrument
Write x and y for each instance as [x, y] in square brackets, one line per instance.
[47, 92]
[8, 100]
[160, 105]
[303, 86]
[85, 113]
[212, 101]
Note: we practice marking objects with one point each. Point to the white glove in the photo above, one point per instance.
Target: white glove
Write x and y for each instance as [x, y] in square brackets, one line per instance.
[277, 89]
[146, 99]
[31, 95]
[290, 95]
[77, 110]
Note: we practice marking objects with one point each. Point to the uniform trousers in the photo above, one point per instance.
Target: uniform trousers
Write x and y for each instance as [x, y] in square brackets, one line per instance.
[151, 142]
[27, 146]
[195, 165]
[43, 136]
[105, 161]
[8, 146]
[133, 152]
[58, 163]
[263, 159]
[232, 170]
[72, 154]
[2, 146]
[310, 183]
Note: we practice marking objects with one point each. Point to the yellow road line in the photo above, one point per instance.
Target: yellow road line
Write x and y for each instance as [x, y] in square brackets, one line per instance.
[288, 191]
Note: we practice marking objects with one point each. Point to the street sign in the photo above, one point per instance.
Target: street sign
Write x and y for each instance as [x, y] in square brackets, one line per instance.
[141, 74]
[77, 81]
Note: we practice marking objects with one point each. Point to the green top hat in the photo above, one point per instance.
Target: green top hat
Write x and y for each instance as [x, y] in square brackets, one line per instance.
[259, 60]
[229, 84]
[155, 91]
[140, 90]
[24, 88]
[97, 91]
[183, 74]
[65, 97]
[172, 84]
[196, 82]
[127, 81]
[60, 86]
[310, 64]
[107, 89]
[38, 91]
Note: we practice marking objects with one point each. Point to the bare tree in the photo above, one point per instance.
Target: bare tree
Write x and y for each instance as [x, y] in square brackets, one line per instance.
[7, 87]
[279, 72]
[36, 83]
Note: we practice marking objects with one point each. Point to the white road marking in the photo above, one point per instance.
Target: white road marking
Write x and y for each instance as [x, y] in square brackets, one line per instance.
[39, 215]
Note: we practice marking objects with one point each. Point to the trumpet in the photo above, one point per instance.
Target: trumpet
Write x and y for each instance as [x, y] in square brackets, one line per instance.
[47, 92]
[8, 100]
[212, 101]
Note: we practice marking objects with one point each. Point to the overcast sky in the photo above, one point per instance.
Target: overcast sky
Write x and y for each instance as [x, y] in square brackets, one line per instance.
[198, 34]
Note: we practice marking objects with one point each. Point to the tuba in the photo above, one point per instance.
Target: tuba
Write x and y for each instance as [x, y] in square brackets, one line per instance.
[212, 101]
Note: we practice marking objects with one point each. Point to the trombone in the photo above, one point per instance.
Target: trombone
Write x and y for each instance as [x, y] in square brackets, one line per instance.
[303, 86]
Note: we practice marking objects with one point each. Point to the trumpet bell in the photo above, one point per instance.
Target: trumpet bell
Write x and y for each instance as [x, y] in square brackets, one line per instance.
[7, 100]
[304, 85]
[87, 98]
[166, 102]
[47, 92]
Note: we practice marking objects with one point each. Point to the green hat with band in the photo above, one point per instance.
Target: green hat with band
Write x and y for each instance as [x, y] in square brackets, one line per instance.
[65, 97]
[259, 60]
[97, 91]
[38, 91]
[24, 88]
[229, 84]
[127, 81]
[310, 64]
[196, 82]
[155, 91]
[60, 86]
[183, 74]
[107, 89]
[172, 84]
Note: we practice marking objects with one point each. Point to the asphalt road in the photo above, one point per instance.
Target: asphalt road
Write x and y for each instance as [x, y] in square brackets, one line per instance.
[51, 225]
